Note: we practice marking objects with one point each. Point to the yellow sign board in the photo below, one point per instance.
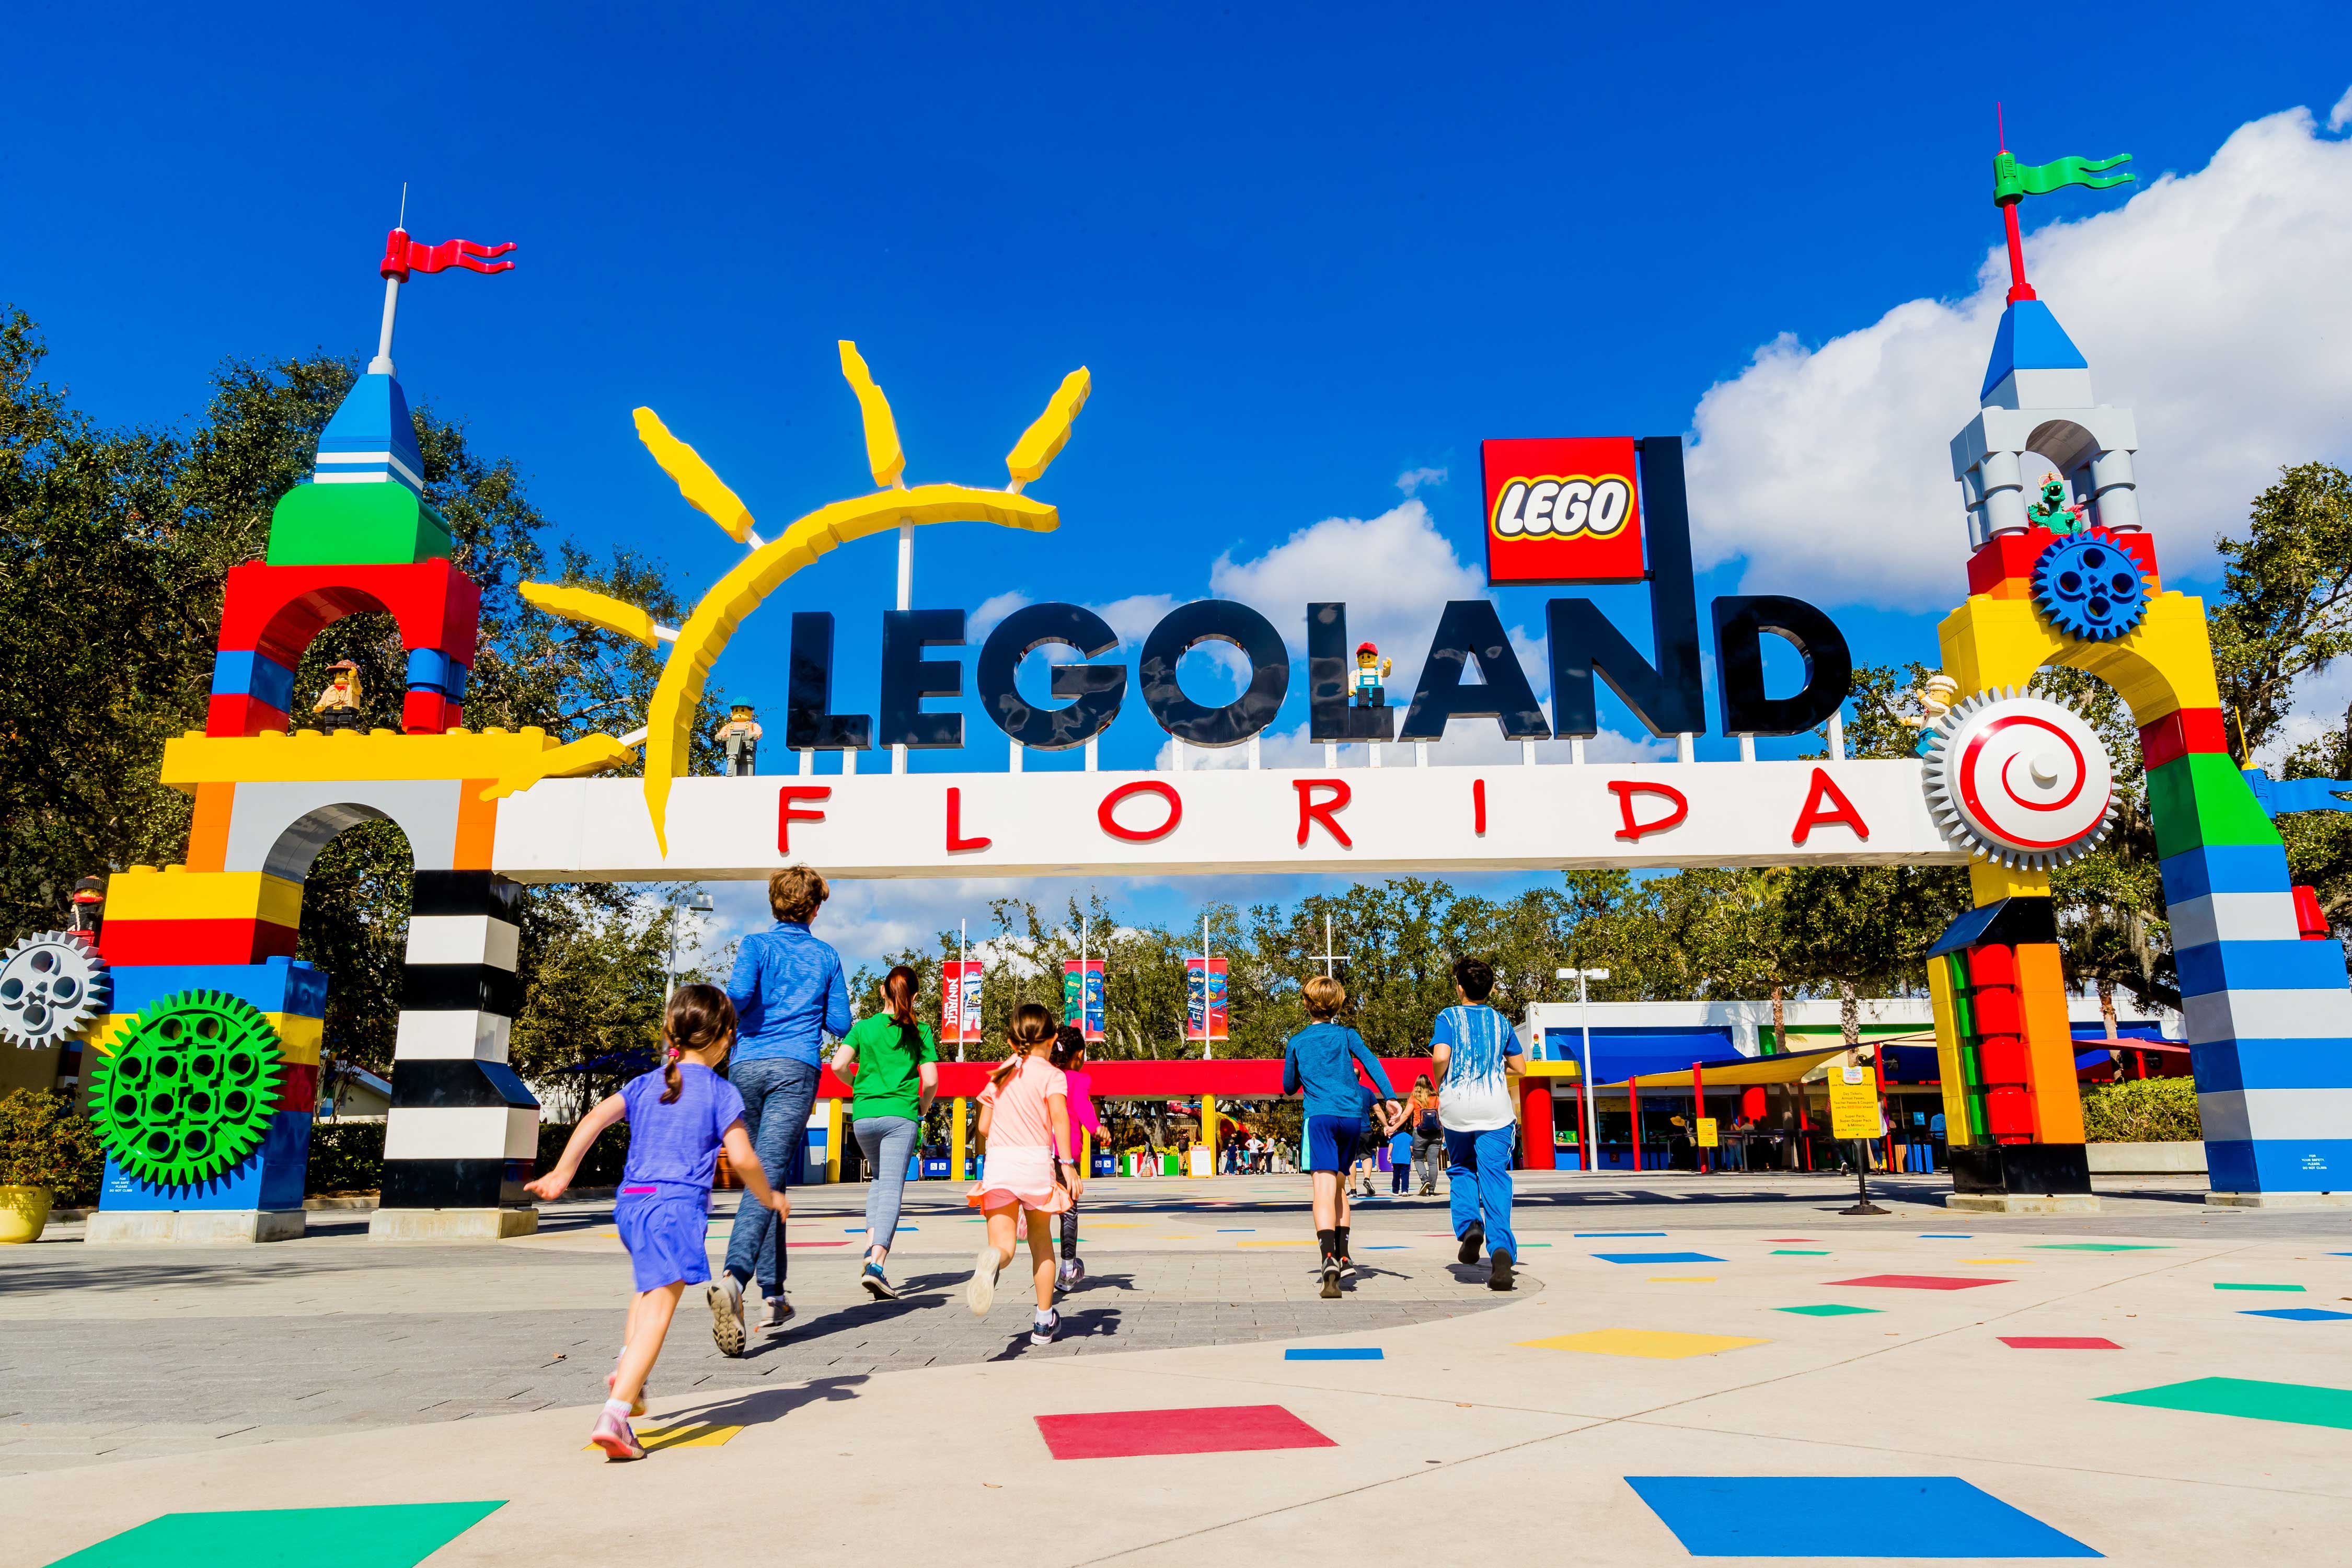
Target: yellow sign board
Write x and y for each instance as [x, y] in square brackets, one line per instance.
[1853, 1104]
[1707, 1134]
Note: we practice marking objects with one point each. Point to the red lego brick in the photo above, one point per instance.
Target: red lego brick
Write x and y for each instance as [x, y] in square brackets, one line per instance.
[429, 713]
[277, 610]
[2011, 556]
[2184, 731]
[126, 942]
[1992, 965]
[241, 716]
[297, 1086]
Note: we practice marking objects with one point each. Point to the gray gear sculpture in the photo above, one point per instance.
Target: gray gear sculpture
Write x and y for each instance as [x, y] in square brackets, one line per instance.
[52, 987]
[1965, 828]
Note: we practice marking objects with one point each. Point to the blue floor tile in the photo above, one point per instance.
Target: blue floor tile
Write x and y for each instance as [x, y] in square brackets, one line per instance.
[1341, 1352]
[2299, 1314]
[1657, 1258]
[1846, 1516]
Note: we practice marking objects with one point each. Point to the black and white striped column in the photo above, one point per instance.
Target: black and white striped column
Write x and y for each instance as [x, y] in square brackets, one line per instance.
[463, 1131]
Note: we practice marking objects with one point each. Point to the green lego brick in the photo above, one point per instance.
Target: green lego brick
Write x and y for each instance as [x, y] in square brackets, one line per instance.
[354, 525]
[2201, 799]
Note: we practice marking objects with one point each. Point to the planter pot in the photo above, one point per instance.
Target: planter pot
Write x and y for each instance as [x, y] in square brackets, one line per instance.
[23, 1214]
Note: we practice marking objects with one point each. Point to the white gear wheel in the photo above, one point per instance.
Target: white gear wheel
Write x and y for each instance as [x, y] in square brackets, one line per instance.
[2021, 780]
[52, 987]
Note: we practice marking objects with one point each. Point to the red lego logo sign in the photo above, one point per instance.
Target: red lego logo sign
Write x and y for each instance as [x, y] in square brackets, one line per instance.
[1564, 511]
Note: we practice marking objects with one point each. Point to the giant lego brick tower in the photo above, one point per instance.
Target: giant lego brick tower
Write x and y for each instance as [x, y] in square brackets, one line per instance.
[2066, 575]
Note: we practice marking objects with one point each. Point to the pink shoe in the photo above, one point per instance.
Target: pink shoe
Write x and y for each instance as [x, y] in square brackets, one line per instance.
[616, 1437]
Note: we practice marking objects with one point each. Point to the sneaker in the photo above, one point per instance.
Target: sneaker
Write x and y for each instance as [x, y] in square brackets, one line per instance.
[980, 1295]
[1331, 1272]
[1347, 1268]
[726, 1299]
[616, 1437]
[1500, 1279]
[1078, 1267]
[1042, 1330]
[1472, 1240]
[877, 1284]
[778, 1313]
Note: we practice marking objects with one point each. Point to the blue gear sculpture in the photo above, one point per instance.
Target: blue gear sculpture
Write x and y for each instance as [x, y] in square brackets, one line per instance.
[2088, 586]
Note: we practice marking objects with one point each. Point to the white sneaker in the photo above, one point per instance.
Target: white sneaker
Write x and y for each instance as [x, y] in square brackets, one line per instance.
[981, 1294]
[726, 1299]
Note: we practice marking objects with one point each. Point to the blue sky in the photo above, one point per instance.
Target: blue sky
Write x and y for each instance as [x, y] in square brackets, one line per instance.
[1304, 251]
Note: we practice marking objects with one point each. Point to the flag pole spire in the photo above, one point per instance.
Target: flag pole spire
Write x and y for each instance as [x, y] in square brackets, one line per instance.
[2019, 288]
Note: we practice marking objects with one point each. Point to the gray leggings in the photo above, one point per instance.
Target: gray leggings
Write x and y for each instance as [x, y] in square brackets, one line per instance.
[888, 1143]
[1428, 1158]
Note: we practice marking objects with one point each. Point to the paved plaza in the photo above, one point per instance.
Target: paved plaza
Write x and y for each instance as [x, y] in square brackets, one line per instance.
[1690, 1367]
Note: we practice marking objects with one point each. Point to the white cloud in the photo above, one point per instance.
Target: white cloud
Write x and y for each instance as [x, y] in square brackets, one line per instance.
[2341, 115]
[1413, 481]
[1134, 617]
[991, 612]
[2213, 302]
[1394, 571]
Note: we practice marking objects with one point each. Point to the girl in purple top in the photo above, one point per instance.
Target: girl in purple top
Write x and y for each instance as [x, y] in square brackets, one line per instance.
[1070, 1056]
[680, 1118]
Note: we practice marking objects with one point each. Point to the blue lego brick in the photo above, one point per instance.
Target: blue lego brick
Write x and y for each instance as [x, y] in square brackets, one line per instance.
[256, 675]
[2279, 1165]
[2029, 337]
[373, 417]
[430, 670]
[271, 1177]
[2314, 965]
[2224, 868]
[279, 985]
[2226, 1065]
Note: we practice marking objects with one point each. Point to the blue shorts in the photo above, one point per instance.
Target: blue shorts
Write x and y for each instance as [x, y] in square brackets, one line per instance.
[665, 1227]
[1334, 1142]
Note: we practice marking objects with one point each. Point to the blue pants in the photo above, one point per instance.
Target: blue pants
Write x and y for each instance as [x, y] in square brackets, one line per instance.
[887, 1141]
[777, 1093]
[1478, 1185]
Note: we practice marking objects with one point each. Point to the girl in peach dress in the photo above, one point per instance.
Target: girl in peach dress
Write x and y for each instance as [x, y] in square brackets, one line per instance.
[1024, 1125]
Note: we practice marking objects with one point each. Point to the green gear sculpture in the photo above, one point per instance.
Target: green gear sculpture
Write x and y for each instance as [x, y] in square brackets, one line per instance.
[190, 1089]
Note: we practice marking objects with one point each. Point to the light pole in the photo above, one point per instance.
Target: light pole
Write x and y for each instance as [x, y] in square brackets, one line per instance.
[700, 904]
[1584, 1018]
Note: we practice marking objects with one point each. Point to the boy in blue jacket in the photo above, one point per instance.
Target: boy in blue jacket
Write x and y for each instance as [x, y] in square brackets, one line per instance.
[1321, 1060]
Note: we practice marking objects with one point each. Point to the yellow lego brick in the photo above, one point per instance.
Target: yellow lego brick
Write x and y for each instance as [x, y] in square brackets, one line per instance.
[513, 759]
[299, 1039]
[176, 893]
[1947, 1052]
[703, 490]
[1550, 1069]
[1990, 883]
[2049, 1044]
[2164, 665]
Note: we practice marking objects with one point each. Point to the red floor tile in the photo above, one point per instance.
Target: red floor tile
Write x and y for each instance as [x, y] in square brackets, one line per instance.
[2056, 1343]
[1214, 1430]
[1919, 1282]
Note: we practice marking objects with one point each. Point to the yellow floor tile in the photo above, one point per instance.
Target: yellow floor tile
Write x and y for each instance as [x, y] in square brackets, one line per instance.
[685, 1434]
[1656, 1344]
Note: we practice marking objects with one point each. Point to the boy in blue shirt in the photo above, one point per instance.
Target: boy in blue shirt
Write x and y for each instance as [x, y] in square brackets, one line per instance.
[1321, 1060]
[1476, 1055]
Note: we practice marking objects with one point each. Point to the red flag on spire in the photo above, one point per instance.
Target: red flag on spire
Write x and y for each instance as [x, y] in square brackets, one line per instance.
[403, 256]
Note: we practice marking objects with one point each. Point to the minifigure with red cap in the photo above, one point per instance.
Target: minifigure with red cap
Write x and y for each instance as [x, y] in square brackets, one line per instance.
[1370, 667]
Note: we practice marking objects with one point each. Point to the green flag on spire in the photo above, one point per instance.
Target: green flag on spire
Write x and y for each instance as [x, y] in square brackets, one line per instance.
[2012, 181]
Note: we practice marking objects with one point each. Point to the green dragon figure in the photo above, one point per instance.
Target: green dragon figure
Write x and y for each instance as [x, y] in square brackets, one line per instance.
[2056, 513]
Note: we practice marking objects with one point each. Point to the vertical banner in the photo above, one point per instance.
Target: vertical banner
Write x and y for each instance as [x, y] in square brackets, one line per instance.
[960, 997]
[1204, 999]
[1082, 995]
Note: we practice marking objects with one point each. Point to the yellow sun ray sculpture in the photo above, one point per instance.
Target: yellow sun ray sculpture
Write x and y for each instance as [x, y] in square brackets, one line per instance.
[669, 718]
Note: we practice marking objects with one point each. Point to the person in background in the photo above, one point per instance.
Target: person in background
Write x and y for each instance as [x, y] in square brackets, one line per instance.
[1070, 1056]
[788, 994]
[1428, 1134]
[892, 1063]
[679, 1118]
[1400, 1158]
[1476, 1055]
[1320, 1061]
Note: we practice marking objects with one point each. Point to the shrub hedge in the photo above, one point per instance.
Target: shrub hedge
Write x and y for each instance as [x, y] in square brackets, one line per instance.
[46, 1141]
[2149, 1111]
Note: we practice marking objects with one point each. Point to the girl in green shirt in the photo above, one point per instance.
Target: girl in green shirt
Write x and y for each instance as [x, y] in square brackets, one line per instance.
[891, 1061]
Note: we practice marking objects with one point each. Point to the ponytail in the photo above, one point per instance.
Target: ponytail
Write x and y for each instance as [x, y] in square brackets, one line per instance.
[1032, 1026]
[699, 1017]
[898, 995]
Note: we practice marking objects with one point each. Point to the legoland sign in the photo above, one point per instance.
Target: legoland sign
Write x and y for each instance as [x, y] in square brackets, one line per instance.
[1600, 510]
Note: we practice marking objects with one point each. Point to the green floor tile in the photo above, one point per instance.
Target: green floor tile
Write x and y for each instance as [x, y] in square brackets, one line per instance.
[1828, 1311]
[2098, 1246]
[396, 1535]
[2233, 1285]
[2303, 1404]
[1797, 1252]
